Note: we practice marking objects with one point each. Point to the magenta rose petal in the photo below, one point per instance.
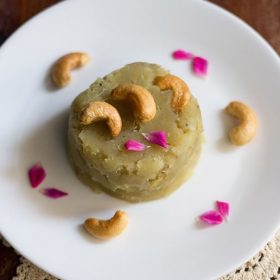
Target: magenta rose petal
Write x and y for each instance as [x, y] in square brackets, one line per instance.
[223, 208]
[134, 145]
[53, 193]
[157, 137]
[182, 55]
[211, 217]
[36, 175]
[200, 66]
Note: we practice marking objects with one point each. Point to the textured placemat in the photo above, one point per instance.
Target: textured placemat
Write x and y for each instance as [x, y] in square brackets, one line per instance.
[264, 266]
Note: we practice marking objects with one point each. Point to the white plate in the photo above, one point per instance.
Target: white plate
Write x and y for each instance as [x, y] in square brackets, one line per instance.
[163, 240]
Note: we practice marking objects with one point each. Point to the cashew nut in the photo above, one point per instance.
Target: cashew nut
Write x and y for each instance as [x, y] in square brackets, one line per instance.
[60, 71]
[99, 111]
[246, 130]
[143, 102]
[181, 93]
[106, 229]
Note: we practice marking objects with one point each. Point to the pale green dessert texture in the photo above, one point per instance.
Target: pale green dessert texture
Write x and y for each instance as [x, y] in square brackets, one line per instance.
[102, 162]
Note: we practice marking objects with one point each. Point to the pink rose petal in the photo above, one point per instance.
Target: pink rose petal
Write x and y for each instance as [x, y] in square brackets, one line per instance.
[157, 137]
[200, 66]
[53, 193]
[223, 208]
[36, 175]
[182, 55]
[211, 217]
[134, 145]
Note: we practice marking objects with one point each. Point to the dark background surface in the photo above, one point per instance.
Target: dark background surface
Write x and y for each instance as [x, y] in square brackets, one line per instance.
[263, 15]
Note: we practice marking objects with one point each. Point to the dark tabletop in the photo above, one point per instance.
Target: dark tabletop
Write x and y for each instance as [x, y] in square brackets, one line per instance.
[263, 15]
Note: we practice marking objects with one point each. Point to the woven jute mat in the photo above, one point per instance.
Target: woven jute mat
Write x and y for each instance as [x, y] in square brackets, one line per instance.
[264, 266]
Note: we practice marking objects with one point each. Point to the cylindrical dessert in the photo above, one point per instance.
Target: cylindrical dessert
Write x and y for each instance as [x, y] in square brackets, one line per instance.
[101, 160]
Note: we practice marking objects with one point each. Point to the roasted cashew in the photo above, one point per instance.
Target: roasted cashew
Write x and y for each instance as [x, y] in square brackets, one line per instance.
[60, 71]
[246, 130]
[143, 102]
[181, 93]
[99, 111]
[106, 229]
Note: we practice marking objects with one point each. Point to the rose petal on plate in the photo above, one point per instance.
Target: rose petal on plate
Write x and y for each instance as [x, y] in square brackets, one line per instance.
[182, 55]
[223, 208]
[53, 193]
[200, 66]
[134, 145]
[157, 137]
[211, 217]
[36, 175]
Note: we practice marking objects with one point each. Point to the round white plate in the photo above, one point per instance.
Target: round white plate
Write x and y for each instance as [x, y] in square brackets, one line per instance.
[163, 240]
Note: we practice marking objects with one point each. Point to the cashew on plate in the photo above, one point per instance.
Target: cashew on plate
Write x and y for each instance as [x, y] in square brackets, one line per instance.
[180, 91]
[102, 111]
[61, 70]
[246, 130]
[107, 229]
[143, 102]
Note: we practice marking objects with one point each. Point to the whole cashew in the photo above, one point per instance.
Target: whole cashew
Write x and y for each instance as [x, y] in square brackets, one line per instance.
[99, 111]
[246, 130]
[181, 93]
[60, 71]
[106, 229]
[143, 102]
